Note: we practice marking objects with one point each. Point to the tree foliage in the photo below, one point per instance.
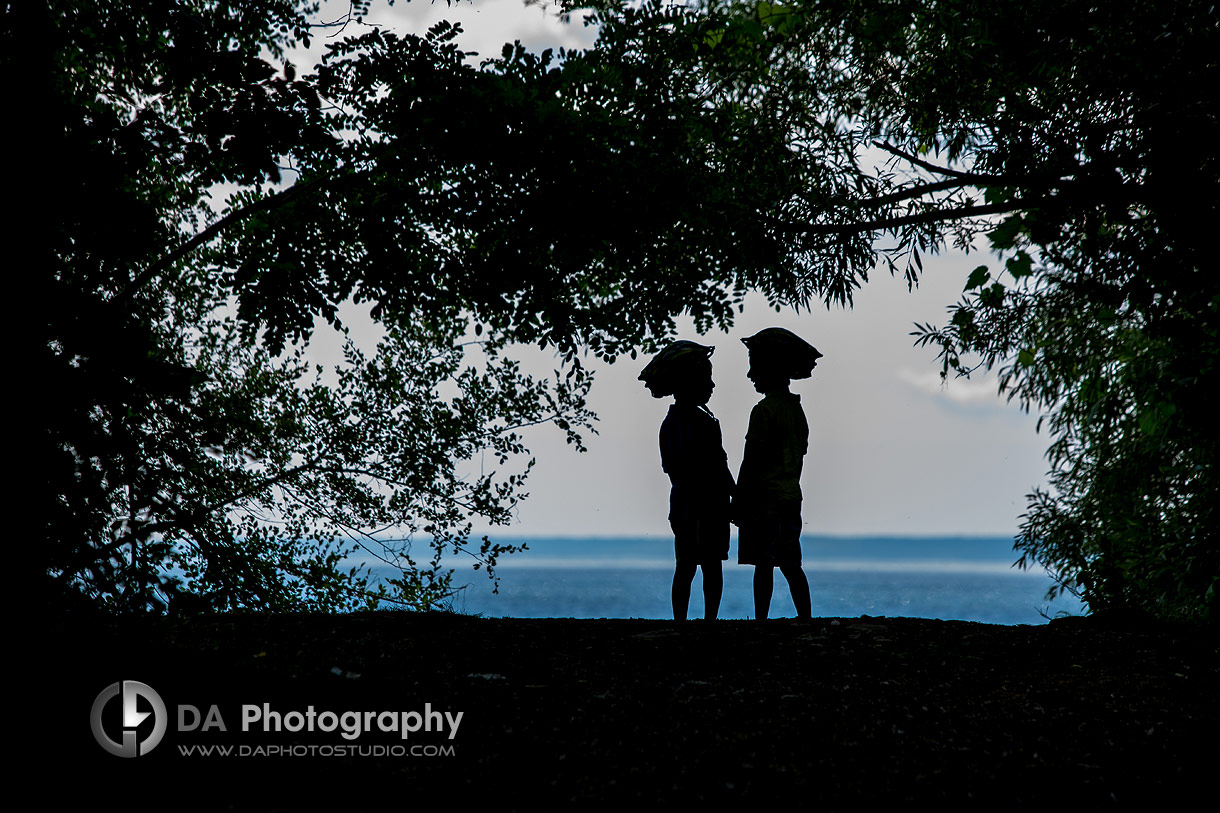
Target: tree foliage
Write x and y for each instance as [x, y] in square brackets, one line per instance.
[583, 200]
[578, 200]
[188, 452]
[1100, 142]
[1080, 139]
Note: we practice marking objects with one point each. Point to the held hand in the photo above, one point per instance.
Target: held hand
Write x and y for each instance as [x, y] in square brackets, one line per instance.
[735, 511]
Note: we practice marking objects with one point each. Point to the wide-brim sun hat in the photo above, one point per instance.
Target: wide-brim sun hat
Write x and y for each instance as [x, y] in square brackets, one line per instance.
[676, 361]
[787, 352]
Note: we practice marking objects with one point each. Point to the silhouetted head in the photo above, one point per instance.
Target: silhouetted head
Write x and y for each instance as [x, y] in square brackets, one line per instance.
[683, 369]
[777, 356]
[694, 385]
[765, 376]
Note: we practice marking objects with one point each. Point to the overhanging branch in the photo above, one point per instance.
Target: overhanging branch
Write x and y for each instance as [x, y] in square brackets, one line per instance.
[913, 192]
[975, 178]
[272, 202]
[920, 219]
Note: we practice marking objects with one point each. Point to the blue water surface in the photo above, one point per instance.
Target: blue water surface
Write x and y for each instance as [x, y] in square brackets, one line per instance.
[962, 578]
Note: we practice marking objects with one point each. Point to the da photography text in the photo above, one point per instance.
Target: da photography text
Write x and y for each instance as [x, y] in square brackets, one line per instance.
[129, 719]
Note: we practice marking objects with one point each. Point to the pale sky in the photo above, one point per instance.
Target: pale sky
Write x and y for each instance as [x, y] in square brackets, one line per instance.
[892, 451]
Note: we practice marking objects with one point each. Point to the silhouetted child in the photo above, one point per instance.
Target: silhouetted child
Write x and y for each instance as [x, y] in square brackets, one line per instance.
[692, 454]
[767, 501]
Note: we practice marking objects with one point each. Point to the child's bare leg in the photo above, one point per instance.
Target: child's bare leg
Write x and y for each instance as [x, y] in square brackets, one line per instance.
[713, 587]
[799, 586]
[680, 594]
[764, 582]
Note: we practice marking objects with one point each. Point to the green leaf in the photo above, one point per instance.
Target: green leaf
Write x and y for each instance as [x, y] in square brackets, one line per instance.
[993, 295]
[1020, 265]
[1005, 235]
[978, 277]
[996, 194]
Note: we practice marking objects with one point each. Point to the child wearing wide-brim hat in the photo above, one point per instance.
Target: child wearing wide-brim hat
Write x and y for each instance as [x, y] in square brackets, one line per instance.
[783, 351]
[692, 454]
[767, 500]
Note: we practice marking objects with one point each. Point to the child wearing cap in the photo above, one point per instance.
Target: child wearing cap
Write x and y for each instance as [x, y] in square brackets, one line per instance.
[692, 454]
[767, 501]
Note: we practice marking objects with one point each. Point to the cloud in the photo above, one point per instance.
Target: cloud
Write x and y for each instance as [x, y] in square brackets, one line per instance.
[488, 24]
[977, 390]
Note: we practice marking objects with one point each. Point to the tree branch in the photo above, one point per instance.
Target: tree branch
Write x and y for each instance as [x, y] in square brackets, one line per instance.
[922, 218]
[184, 519]
[973, 177]
[275, 201]
[914, 192]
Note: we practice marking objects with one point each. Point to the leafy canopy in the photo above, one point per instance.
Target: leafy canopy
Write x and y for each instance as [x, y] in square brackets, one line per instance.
[580, 201]
[188, 453]
[583, 201]
[1080, 139]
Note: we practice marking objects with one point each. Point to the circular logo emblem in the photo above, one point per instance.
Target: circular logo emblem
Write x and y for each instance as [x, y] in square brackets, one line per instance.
[131, 691]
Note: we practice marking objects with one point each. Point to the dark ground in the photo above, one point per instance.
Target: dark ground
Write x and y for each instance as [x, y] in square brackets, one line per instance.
[839, 713]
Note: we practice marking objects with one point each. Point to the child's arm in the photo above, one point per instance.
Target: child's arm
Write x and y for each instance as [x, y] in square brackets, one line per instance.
[671, 449]
[722, 462]
[748, 477]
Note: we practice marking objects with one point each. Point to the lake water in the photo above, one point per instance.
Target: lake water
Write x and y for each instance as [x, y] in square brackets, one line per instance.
[963, 578]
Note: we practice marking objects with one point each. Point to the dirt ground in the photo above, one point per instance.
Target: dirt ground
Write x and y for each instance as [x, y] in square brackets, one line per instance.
[837, 712]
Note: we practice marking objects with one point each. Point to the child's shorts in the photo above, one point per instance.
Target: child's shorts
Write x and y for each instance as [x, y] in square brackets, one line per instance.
[703, 540]
[771, 536]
